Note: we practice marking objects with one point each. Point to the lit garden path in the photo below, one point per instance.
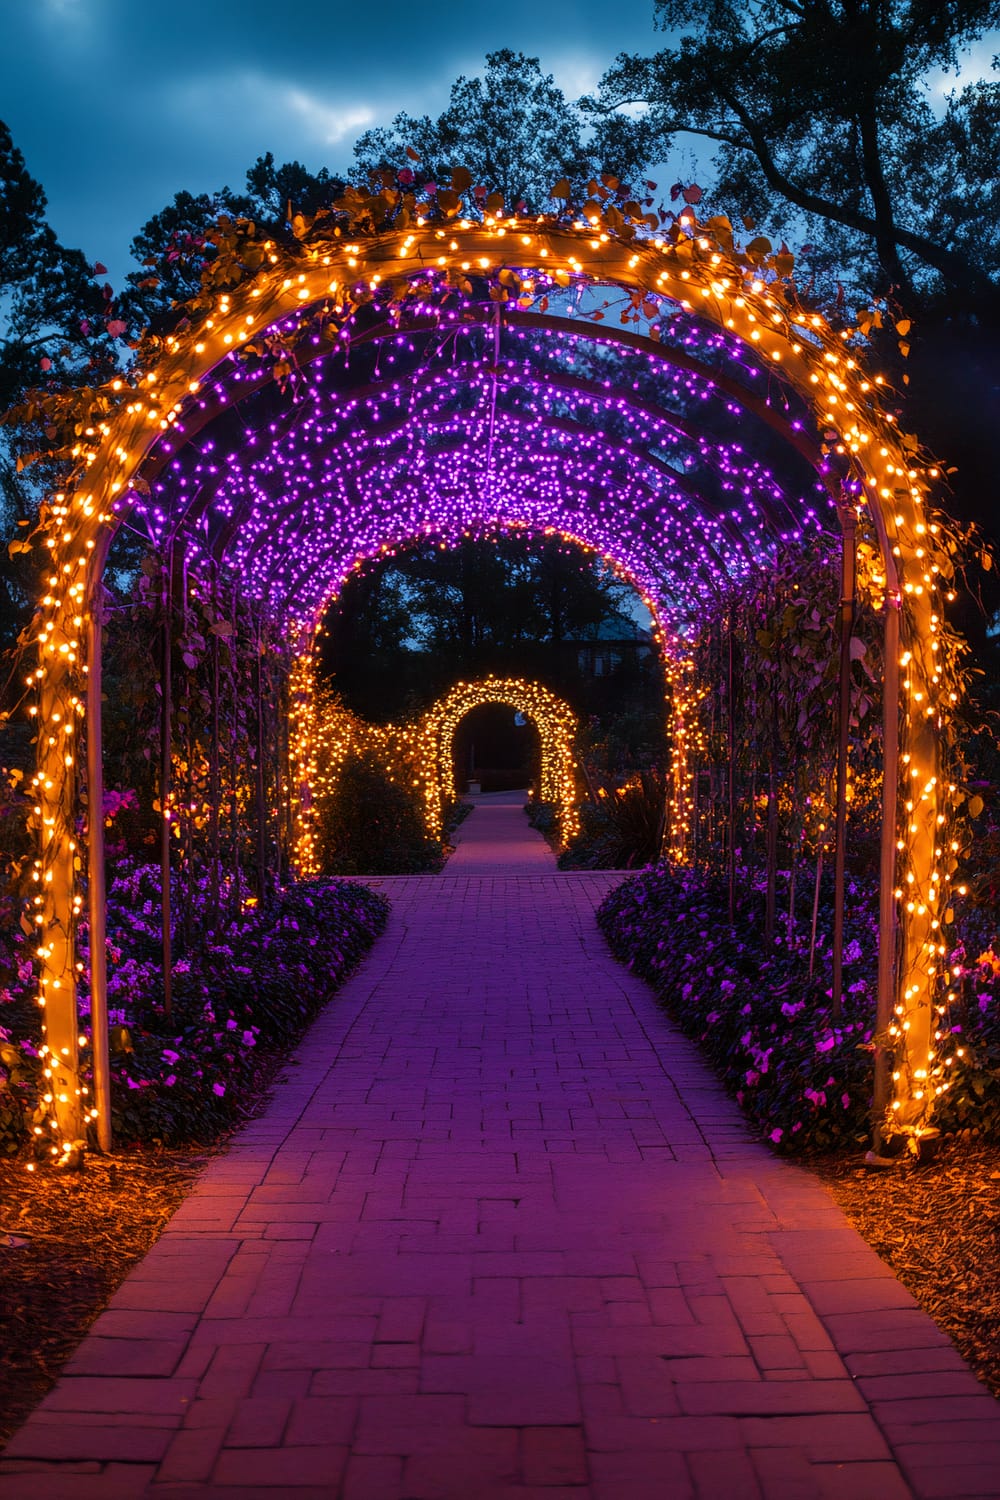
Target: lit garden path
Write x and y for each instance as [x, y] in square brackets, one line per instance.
[501, 1237]
[497, 838]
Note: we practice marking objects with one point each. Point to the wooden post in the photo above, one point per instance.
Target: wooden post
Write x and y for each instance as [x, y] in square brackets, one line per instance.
[283, 779]
[185, 918]
[815, 910]
[886, 1000]
[96, 883]
[54, 906]
[771, 844]
[259, 797]
[236, 898]
[214, 786]
[731, 771]
[166, 746]
[695, 784]
[848, 584]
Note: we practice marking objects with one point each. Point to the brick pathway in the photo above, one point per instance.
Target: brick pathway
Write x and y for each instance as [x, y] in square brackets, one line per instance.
[500, 1236]
[498, 839]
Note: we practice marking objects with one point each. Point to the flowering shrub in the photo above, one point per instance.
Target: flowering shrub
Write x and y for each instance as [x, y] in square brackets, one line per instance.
[765, 1025]
[767, 1028]
[238, 996]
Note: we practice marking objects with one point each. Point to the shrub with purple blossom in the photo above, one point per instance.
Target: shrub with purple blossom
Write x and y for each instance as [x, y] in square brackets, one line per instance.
[240, 995]
[803, 1078]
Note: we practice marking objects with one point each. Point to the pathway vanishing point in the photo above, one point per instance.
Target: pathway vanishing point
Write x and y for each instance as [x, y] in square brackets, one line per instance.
[501, 1236]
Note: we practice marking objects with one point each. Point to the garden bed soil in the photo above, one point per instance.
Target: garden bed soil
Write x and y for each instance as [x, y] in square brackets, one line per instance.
[67, 1241]
[938, 1227]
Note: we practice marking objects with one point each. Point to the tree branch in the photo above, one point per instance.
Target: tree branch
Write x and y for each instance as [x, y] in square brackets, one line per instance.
[953, 266]
[886, 243]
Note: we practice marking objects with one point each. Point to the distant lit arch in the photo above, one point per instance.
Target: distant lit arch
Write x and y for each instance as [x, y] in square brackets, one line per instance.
[553, 719]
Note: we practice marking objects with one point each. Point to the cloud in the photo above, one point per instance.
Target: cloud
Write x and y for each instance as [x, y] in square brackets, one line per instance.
[575, 74]
[327, 124]
[118, 106]
[66, 25]
[976, 66]
[281, 110]
[65, 9]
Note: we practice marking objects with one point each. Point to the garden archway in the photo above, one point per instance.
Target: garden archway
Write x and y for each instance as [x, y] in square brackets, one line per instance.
[267, 312]
[554, 720]
[419, 754]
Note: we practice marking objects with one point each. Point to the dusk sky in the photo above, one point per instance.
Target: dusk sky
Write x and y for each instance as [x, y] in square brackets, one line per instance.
[117, 105]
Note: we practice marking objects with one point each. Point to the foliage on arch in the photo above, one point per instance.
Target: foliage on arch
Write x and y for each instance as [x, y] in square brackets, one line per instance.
[387, 250]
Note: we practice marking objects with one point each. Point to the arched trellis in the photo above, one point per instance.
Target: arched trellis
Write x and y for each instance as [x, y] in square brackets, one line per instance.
[870, 470]
[554, 720]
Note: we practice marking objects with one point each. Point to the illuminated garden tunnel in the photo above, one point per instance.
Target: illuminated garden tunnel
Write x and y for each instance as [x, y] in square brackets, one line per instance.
[663, 402]
[553, 719]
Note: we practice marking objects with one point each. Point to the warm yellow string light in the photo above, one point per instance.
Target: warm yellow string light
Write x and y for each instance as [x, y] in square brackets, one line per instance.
[556, 725]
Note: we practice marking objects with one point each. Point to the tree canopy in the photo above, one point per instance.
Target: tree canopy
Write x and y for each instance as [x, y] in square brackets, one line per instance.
[57, 318]
[59, 323]
[175, 245]
[822, 122]
[512, 128]
[405, 629]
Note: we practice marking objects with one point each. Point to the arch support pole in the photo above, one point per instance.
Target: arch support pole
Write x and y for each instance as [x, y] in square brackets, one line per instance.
[96, 880]
[57, 903]
[166, 775]
[922, 948]
[302, 759]
[886, 1001]
[848, 589]
[680, 829]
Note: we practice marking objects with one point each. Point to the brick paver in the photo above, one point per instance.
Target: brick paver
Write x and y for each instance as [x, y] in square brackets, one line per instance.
[500, 1234]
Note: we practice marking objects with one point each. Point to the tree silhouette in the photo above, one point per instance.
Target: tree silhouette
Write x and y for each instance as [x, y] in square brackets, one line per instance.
[821, 122]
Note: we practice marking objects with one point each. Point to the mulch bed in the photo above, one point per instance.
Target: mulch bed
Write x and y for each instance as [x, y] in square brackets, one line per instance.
[67, 1240]
[938, 1227]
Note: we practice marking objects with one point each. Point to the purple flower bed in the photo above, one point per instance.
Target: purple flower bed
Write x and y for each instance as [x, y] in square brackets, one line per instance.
[238, 999]
[803, 1081]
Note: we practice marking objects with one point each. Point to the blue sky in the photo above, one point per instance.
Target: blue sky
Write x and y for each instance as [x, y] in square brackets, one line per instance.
[117, 105]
